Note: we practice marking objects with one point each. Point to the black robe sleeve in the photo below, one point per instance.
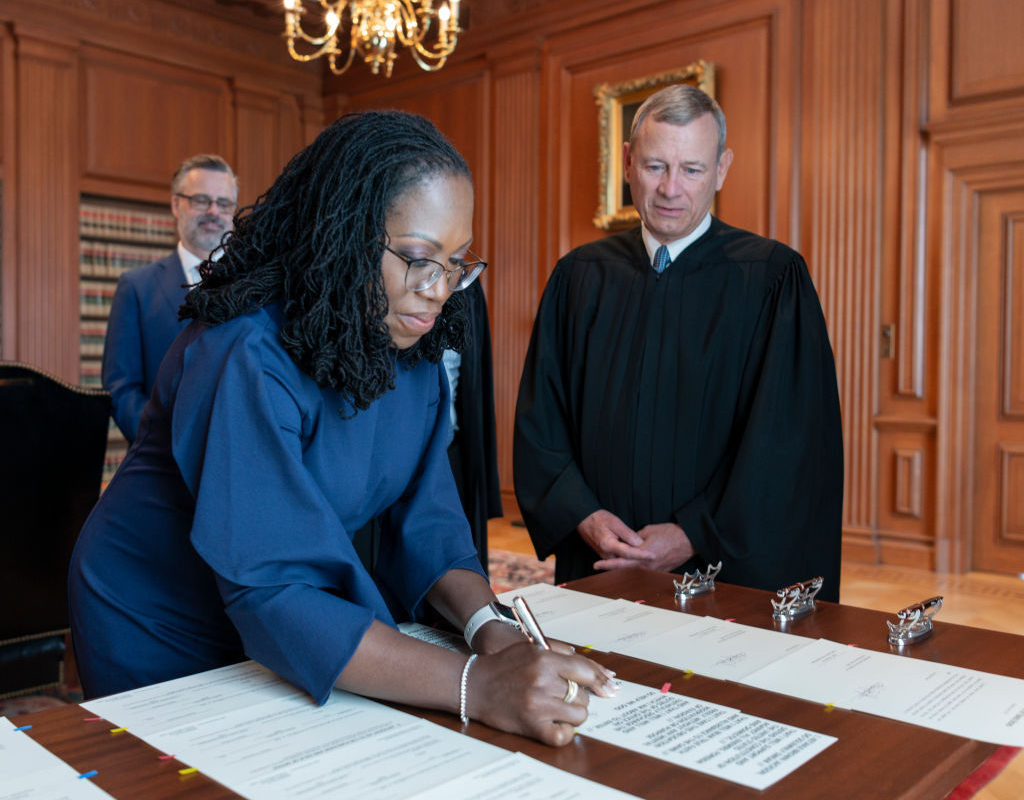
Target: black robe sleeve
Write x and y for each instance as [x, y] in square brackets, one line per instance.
[475, 456]
[552, 493]
[772, 510]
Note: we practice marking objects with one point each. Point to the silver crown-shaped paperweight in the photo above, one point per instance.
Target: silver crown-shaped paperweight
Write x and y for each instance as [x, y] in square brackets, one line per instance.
[914, 623]
[795, 601]
[697, 582]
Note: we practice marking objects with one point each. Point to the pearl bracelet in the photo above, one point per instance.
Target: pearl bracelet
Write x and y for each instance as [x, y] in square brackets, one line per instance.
[463, 715]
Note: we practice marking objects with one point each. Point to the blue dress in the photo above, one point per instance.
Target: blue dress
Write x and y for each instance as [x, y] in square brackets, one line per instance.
[226, 533]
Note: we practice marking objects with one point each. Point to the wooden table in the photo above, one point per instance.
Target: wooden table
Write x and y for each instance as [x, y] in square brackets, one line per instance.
[873, 757]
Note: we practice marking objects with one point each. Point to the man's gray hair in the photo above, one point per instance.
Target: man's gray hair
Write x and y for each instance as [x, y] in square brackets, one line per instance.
[680, 104]
[209, 161]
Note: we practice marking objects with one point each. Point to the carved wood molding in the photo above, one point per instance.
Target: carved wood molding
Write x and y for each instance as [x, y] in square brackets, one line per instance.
[908, 471]
[180, 35]
[193, 114]
[1011, 504]
[992, 125]
[46, 189]
[912, 88]
[908, 424]
[966, 77]
[845, 233]
[513, 198]
[1013, 314]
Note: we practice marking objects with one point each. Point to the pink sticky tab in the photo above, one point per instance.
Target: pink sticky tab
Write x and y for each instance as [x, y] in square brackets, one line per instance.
[167, 757]
[640, 602]
[93, 719]
[731, 619]
[665, 687]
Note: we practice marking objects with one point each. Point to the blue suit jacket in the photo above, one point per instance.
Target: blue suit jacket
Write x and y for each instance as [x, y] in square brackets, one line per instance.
[142, 325]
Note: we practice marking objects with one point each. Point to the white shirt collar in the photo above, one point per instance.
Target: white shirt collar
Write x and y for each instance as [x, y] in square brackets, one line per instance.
[679, 245]
[190, 263]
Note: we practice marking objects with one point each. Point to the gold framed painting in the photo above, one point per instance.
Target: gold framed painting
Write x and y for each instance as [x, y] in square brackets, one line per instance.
[617, 105]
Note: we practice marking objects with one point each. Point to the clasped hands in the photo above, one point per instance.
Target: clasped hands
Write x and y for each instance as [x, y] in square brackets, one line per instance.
[663, 546]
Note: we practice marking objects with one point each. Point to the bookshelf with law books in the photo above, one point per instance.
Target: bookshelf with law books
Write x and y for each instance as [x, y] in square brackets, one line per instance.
[114, 236]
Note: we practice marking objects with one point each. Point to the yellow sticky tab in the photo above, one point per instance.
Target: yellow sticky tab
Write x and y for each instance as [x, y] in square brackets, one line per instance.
[188, 770]
[118, 730]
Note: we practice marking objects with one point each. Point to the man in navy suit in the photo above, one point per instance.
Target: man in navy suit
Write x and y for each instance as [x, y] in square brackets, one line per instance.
[144, 313]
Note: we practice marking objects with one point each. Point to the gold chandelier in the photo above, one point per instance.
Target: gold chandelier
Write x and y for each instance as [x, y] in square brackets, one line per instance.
[429, 31]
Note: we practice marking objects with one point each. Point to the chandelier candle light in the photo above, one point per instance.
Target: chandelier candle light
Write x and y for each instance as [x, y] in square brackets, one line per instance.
[430, 30]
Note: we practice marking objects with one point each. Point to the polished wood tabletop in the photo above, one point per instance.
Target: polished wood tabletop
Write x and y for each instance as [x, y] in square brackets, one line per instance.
[872, 757]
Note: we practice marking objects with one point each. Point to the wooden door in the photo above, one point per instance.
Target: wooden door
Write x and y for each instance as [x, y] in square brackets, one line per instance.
[999, 381]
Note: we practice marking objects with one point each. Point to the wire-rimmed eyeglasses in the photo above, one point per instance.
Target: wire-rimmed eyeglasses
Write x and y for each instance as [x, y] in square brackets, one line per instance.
[202, 203]
[422, 273]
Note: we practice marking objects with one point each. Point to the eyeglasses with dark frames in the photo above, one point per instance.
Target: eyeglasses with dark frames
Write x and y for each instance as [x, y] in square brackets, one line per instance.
[422, 273]
[202, 202]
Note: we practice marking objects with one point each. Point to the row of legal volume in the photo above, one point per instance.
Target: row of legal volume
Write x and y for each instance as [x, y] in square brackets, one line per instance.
[110, 221]
[114, 236]
[98, 259]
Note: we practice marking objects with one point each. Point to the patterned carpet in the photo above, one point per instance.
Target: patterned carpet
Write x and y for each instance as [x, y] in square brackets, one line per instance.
[507, 570]
[511, 570]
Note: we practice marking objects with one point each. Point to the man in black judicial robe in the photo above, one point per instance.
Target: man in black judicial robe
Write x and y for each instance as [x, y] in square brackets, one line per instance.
[675, 418]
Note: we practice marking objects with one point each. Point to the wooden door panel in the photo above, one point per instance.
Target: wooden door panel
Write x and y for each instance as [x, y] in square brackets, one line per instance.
[999, 415]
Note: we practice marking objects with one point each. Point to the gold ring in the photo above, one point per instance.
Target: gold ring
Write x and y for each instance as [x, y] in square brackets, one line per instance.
[570, 693]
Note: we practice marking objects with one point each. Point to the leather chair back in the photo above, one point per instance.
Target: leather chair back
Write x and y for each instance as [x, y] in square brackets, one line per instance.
[53, 437]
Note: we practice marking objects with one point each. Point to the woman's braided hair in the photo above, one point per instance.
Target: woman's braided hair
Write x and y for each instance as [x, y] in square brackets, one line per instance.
[314, 240]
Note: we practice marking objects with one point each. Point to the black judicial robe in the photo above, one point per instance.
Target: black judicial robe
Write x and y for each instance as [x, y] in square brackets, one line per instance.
[704, 396]
[474, 452]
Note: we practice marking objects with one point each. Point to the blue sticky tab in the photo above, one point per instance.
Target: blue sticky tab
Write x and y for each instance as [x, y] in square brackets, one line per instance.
[90, 774]
[23, 728]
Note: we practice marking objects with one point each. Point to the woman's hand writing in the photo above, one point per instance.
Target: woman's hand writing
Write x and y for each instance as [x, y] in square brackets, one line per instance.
[524, 689]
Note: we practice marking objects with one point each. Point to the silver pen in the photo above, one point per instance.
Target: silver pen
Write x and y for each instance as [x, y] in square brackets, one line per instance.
[528, 622]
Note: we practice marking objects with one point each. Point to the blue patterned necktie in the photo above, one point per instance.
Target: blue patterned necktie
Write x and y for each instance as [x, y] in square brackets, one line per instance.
[661, 259]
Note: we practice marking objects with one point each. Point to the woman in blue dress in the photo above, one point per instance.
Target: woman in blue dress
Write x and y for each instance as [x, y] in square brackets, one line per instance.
[305, 399]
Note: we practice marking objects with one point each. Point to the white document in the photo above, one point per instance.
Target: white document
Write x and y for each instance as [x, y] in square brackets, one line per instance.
[549, 602]
[615, 625]
[716, 648]
[350, 747]
[246, 728]
[964, 702]
[445, 639]
[823, 672]
[702, 736]
[519, 777]
[183, 700]
[28, 771]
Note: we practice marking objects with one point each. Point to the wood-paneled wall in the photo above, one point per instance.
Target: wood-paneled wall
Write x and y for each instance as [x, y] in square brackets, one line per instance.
[108, 98]
[879, 137]
[882, 138]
